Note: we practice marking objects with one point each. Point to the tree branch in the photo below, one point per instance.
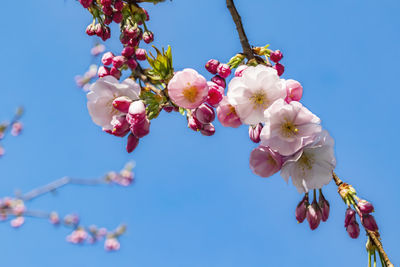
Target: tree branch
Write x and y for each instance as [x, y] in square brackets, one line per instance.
[375, 237]
[247, 51]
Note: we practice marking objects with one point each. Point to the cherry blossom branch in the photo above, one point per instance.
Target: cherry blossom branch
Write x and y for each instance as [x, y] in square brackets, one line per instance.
[343, 190]
[239, 27]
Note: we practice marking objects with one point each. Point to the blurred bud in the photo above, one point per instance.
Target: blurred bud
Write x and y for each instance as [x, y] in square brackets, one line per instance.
[117, 17]
[208, 130]
[107, 20]
[313, 215]
[301, 209]
[111, 244]
[353, 229]
[128, 51]
[219, 80]
[212, 66]
[254, 132]
[132, 64]
[107, 58]
[86, 3]
[279, 68]
[107, 10]
[369, 222]
[119, 5]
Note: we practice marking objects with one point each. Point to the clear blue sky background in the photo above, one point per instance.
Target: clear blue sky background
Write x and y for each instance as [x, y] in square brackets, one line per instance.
[195, 201]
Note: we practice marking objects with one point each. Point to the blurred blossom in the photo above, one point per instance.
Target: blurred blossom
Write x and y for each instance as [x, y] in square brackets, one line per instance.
[97, 49]
[111, 244]
[84, 81]
[17, 222]
[78, 236]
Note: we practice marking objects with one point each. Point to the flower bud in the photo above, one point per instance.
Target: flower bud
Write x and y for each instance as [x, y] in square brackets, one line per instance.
[103, 71]
[128, 51]
[106, 2]
[349, 217]
[132, 31]
[119, 5]
[324, 206]
[117, 17]
[118, 61]
[99, 30]
[120, 126]
[365, 206]
[107, 58]
[106, 33]
[141, 128]
[90, 30]
[215, 94]
[369, 222]
[313, 215]
[168, 109]
[279, 68]
[86, 3]
[224, 70]
[254, 132]
[353, 230]
[219, 80]
[122, 103]
[194, 123]
[301, 209]
[107, 20]
[239, 70]
[132, 64]
[140, 54]
[227, 115]
[134, 42]
[136, 112]
[146, 14]
[204, 113]
[107, 10]
[276, 56]
[115, 72]
[133, 142]
[212, 66]
[148, 37]
[208, 129]
[294, 91]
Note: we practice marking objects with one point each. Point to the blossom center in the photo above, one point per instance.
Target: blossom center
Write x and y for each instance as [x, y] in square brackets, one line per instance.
[306, 161]
[259, 100]
[289, 129]
[190, 93]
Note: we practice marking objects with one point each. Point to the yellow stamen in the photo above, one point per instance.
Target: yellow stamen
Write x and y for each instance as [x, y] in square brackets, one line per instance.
[289, 129]
[190, 93]
[259, 100]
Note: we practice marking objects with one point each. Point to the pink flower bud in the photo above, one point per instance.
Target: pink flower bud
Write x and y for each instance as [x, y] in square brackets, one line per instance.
[224, 70]
[279, 68]
[301, 209]
[141, 129]
[17, 222]
[86, 3]
[117, 17]
[365, 206]
[350, 217]
[194, 124]
[254, 132]
[105, 2]
[122, 103]
[146, 14]
[118, 61]
[325, 207]
[313, 215]
[132, 32]
[99, 30]
[54, 218]
[204, 113]
[115, 72]
[140, 54]
[239, 70]
[134, 42]
[219, 80]
[111, 244]
[294, 91]
[107, 58]
[136, 112]
[128, 51]
[369, 222]
[276, 56]
[132, 64]
[108, 20]
[212, 66]
[16, 128]
[120, 126]
[119, 5]
[208, 130]
[215, 94]
[133, 142]
[107, 10]
[103, 71]
[106, 33]
[168, 109]
[90, 30]
[148, 37]
[353, 230]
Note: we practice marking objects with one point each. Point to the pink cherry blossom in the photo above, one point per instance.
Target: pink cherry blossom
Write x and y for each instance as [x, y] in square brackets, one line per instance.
[289, 127]
[294, 91]
[78, 236]
[102, 95]
[111, 244]
[311, 167]
[264, 161]
[188, 89]
[254, 92]
[226, 114]
[17, 222]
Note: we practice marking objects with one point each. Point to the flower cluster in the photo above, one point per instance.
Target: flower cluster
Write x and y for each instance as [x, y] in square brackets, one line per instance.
[14, 127]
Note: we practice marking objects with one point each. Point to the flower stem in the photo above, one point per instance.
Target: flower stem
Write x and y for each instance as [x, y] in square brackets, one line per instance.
[375, 237]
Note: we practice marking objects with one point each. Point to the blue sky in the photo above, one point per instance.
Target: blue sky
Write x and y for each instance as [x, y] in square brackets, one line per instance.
[195, 202]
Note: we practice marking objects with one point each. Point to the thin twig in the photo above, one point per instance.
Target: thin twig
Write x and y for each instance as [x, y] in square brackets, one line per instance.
[59, 183]
[375, 237]
[247, 51]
